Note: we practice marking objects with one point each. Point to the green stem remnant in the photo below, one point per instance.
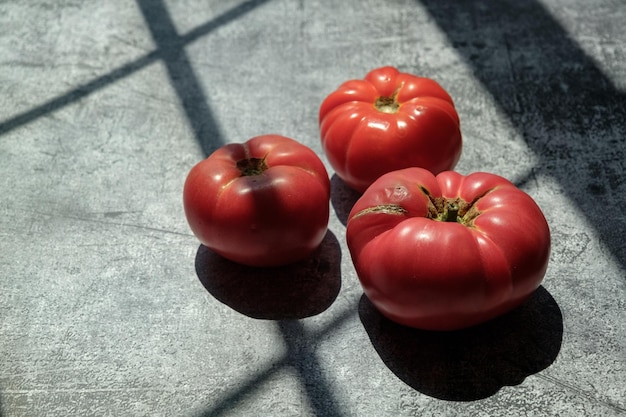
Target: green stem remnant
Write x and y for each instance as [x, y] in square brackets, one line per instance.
[251, 166]
[388, 104]
[452, 209]
[451, 213]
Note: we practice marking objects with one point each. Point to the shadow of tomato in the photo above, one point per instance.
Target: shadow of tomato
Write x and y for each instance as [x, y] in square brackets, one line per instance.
[294, 291]
[473, 363]
[342, 198]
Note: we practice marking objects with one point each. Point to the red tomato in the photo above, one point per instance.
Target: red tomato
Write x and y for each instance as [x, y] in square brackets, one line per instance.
[261, 203]
[388, 121]
[448, 251]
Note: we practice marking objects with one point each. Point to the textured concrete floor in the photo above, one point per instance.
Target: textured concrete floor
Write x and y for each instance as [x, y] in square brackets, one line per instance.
[110, 307]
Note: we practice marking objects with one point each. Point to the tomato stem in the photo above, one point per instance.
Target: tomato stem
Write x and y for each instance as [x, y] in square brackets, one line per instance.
[388, 104]
[448, 210]
[251, 166]
[451, 212]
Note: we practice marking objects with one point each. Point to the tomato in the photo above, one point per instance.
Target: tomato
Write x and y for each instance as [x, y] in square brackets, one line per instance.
[388, 121]
[448, 251]
[264, 202]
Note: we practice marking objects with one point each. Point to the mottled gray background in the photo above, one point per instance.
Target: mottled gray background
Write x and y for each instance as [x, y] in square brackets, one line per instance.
[110, 307]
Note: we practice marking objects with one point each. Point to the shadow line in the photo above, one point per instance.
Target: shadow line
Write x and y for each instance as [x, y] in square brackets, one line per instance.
[300, 354]
[181, 74]
[474, 363]
[78, 93]
[569, 113]
[295, 291]
[170, 49]
[302, 358]
[285, 294]
[230, 401]
[342, 198]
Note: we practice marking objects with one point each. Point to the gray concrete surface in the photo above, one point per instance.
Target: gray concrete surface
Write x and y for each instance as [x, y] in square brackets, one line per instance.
[110, 307]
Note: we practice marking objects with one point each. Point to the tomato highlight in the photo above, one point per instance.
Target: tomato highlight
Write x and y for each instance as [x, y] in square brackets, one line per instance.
[449, 251]
[388, 121]
[261, 203]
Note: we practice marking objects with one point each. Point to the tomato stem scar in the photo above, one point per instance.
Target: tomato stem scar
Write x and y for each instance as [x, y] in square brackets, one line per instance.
[251, 166]
[451, 212]
[388, 104]
[451, 209]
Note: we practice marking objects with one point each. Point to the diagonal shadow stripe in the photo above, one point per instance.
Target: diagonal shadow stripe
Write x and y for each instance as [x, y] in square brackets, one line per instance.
[78, 93]
[181, 74]
[162, 30]
[568, 112]
[300, 356]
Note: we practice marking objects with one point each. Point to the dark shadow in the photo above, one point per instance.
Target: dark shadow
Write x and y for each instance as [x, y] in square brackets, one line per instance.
[77, 94]
[568, 112]
[342, 198]
[300, 355]
[302, 358]
[181, 74]
[294, 291]
[474, 363]
[170, 50]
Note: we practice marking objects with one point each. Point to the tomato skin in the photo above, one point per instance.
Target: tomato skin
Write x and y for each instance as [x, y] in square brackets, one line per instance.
[447, 275]
[270, 218]
[363, 142]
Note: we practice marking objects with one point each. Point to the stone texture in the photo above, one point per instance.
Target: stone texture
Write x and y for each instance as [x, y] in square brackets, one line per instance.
[109, 306]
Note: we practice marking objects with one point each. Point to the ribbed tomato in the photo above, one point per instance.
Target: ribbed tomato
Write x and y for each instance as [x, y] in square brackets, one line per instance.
[264, 202]
[388, 121]
[448, 251]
